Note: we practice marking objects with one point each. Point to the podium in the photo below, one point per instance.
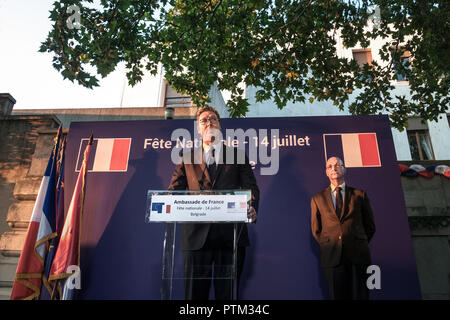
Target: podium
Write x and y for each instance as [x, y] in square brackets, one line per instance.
[186, 207]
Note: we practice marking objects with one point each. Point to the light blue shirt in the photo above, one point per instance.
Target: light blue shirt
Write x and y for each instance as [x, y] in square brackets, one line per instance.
[207, 153]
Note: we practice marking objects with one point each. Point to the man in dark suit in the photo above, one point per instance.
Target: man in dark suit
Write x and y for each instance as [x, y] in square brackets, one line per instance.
[208, 248]
[342, 223]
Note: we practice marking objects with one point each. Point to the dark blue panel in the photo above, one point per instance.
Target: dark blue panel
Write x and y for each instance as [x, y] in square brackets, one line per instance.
[333, 146]
[121, 255]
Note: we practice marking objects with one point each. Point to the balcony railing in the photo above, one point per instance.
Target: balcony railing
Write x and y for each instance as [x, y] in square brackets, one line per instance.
[181, 101]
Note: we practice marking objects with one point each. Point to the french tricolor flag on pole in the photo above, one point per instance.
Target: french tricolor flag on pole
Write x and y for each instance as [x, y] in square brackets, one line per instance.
[107, 155]
[355, 149]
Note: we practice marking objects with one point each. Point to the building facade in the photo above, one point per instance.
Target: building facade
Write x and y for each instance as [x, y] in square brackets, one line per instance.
[27, 135]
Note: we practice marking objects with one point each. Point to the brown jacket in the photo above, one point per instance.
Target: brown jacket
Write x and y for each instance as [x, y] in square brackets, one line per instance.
[349, 235]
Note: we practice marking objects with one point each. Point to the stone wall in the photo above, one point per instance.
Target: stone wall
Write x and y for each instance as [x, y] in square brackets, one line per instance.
[25, 145]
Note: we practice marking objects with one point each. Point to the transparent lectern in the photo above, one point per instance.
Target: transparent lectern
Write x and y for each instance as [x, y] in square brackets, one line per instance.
[206, 206]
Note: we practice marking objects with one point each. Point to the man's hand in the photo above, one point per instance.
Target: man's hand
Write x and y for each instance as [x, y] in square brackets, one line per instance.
[251, 214]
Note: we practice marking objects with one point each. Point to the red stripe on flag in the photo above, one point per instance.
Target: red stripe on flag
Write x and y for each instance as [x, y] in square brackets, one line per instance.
[27, 282]
[68, 250]
[119, 156]
[369, 149]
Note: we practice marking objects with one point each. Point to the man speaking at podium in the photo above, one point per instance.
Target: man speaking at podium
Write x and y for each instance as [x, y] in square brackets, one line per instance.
[208, 248]
[342, 223]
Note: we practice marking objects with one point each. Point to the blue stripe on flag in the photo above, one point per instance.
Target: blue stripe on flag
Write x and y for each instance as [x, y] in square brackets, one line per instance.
[157, 206]
[90, 163]
[333, 146]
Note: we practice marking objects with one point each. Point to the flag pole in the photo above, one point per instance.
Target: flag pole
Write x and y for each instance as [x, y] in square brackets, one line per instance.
[54, 289]
[68, 252]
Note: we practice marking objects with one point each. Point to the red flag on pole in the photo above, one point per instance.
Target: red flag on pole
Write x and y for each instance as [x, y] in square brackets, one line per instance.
[68, 253]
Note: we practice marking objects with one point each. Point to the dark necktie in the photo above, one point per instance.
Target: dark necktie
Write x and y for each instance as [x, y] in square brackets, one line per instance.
[339, 202]
[212, 166]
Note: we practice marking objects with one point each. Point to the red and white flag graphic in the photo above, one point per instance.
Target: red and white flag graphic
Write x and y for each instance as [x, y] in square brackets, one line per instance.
[355, 149]
[109, 155]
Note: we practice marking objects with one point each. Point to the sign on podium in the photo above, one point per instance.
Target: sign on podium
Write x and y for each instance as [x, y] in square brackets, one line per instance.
[184, 206]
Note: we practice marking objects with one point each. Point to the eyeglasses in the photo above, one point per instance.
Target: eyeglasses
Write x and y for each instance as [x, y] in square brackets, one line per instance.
[211, 119]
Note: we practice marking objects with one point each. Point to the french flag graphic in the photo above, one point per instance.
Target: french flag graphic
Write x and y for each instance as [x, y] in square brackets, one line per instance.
[158, 207]
[107, 155]
[355, 149]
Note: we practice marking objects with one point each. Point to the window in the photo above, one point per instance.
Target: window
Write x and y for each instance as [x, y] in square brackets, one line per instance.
[419, 140]
[362, 56]
[175, 99]
[420, 145]
[405, 61]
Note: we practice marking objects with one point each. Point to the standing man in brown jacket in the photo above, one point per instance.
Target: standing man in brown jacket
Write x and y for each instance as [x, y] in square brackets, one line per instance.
[342, 222]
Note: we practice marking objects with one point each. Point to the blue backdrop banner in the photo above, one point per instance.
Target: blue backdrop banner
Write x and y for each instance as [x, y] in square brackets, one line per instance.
[121, 255]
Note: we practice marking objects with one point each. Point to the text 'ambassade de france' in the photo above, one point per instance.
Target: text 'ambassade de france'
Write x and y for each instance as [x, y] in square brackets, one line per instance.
[198, 202]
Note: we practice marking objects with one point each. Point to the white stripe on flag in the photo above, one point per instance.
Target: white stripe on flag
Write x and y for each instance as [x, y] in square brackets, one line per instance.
[44, 230]
[38, 215]
[103, 155]
[39, 204]
[352, 150]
